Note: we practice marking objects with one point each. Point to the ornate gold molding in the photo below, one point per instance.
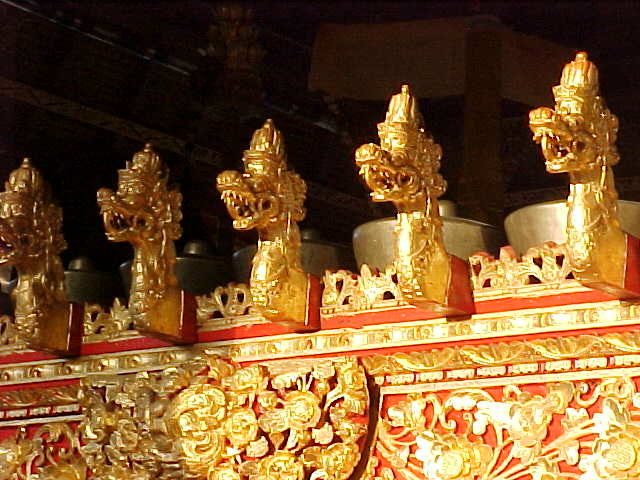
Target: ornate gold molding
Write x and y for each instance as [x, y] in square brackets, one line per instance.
[571, 318]
[508, 354]
[483, 326]
[100, 325]
[545, 267]
[38, 397]
[225, 302]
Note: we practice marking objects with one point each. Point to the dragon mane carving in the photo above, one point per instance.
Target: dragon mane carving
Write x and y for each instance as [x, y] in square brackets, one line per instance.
[146, 213]
[269, 197]
[578, 137]
[403, 169]
[31, 240]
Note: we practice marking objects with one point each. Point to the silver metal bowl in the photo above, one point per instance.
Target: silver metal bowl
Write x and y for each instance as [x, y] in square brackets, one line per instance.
[317, 256]
[197, 270]
[373, 241]
[535, 224]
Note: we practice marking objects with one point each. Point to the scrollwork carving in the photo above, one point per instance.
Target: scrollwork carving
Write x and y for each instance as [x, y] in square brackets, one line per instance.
[227, 301]
[345, 291]
[50, 453]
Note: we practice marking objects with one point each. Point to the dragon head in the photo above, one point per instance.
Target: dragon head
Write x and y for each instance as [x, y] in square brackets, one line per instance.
[30, 224]
[143, 208]
[404, 168]
[267, 193]
[580, 133]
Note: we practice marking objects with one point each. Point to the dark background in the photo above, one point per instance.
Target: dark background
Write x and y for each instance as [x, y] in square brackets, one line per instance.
[83, 84]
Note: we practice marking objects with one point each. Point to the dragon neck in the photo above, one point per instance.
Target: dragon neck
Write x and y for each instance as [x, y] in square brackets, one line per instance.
[592, 212]
[151, 272]
[416, 219]
[418, 234]
[592, 200]
[285, 237]
[40, 285]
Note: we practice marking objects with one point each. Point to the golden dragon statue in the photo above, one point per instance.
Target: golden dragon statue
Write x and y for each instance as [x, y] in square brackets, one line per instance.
[146, 213]
[269, 197]
[403, 169]
[31, 240]
[578, 137]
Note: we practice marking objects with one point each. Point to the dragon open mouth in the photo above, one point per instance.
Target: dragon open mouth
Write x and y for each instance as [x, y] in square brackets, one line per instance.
[246, 209]
[238, 204]
[8, 240]
[387, 184]
[555, 151]
[117, 221]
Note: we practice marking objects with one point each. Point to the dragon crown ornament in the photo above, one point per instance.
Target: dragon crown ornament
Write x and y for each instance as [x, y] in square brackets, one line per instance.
[403, 169]
[578, 137]
[269, 197]
[31, 240]
[146, 213]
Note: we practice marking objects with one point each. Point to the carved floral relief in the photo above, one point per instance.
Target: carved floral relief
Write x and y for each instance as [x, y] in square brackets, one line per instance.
[586, 430]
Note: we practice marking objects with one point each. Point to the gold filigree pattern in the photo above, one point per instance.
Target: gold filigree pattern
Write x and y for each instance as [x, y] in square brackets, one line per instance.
[278, 421]
[403, 169]
[101, 325]
[502, 353]
[587, 430]
[509, 273]
[269, 197]
[124, 433]
[50, 453]
[8, 331]
[36, 397]
[232, 300]
[146, 213]
[347, 292]
[31, 240]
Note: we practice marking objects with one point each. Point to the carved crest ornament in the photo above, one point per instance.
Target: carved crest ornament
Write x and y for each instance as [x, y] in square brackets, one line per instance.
[541, 386]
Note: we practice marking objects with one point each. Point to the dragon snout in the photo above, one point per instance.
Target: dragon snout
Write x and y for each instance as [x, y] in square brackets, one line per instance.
[227, 179]
[104, 195]
[540, 116]
[368, 152]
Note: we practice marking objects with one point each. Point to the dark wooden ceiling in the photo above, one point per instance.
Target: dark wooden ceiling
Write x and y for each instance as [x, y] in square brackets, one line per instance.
[155, 64]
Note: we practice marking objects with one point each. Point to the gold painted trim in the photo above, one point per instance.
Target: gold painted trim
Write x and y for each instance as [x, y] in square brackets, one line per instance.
[486, 326]
[483, 326]
[519, 380]
[36, 421]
